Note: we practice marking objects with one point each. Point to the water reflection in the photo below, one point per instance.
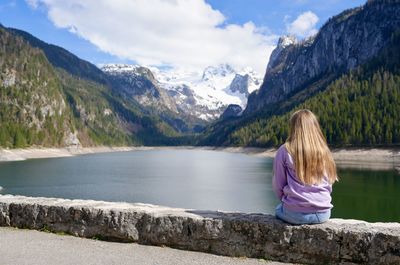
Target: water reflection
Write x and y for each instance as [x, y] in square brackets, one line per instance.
[197, 179]
[371, 195]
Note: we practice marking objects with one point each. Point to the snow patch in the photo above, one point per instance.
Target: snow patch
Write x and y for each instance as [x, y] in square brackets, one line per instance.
[210, 87]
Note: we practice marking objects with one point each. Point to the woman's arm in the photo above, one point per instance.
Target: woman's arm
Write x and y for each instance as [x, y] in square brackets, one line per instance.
[279, 180]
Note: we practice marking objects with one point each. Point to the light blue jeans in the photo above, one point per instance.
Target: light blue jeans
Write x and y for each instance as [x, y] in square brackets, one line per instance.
[301, 218]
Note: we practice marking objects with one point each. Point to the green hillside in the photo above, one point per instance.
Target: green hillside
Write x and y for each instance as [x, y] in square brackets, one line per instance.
[32, 107]
[62, 100]
[92, 114]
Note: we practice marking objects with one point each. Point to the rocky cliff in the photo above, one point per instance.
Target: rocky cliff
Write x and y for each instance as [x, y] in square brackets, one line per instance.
[343, 43]
[232, 110]
[139, 83]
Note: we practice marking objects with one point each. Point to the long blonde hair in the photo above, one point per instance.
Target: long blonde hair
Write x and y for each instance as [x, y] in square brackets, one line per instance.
[307, 145]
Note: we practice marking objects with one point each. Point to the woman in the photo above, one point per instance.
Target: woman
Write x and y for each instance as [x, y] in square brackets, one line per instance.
[304, 172]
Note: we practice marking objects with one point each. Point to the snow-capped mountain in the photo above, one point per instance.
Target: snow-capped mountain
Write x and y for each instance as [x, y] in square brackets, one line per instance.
[207, 94]
[204, 95]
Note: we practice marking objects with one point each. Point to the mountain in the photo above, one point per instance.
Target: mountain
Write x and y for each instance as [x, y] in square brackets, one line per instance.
[188, 101]
[208, 93]
[138, 84]
[348, 74]
[50, 97]
[343, 43]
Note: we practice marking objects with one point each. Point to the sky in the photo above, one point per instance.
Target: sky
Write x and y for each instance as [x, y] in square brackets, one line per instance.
[181, 34]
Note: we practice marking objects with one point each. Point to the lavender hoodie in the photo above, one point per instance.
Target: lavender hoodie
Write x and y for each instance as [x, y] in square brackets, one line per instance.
[294, 195]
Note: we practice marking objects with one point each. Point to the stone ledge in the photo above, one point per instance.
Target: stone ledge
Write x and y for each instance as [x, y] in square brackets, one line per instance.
[230, 234]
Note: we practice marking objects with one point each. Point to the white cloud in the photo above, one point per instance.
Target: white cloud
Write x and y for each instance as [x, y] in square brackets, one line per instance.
[304, 25]
[180, 33]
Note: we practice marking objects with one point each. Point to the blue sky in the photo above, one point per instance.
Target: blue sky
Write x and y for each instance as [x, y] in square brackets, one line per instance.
[272, 13]
[224, 28]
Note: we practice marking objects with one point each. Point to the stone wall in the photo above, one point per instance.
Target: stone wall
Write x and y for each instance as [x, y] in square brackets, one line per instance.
[231, 234]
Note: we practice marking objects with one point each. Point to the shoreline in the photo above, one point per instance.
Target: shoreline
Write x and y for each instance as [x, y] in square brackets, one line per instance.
[20, 154]
[357, 158]
[371, 158]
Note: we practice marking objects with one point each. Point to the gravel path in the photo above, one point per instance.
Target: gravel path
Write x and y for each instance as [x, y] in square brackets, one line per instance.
[20, 246]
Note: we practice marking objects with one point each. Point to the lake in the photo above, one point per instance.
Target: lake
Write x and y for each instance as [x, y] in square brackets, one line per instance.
[192, 178]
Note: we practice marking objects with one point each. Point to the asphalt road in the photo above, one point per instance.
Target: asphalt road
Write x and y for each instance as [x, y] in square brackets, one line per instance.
[22, 247]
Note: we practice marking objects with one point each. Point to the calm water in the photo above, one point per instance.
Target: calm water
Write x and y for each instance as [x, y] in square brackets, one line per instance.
[197, 179]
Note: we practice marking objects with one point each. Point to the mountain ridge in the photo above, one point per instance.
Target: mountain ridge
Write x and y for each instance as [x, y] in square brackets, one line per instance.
[204, 96]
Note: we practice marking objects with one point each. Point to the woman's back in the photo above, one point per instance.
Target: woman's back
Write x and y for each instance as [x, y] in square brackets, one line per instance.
[297, 196]
[304, 172]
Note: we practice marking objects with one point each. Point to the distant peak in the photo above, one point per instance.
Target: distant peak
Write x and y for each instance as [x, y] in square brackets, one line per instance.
[250, 72]
[286, 40]
[119, 67]
[127, 69]
[219, 70]
[221, 67]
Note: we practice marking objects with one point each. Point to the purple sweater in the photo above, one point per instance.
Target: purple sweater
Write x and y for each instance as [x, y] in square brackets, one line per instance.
[294, 195]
